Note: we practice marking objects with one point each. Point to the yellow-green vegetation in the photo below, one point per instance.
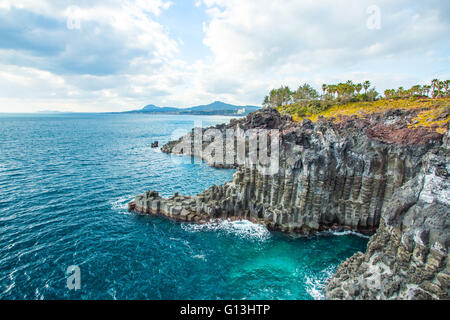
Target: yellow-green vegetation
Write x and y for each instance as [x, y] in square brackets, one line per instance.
[434, 113]
[436, 117]
[361, 99]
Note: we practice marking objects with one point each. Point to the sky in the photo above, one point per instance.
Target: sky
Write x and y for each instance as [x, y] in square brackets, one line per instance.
[101, 56]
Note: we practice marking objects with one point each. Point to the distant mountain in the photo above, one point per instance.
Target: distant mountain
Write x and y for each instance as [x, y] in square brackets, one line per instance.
[218, 105]
[151, 108]
[51, 112]
[215, 108]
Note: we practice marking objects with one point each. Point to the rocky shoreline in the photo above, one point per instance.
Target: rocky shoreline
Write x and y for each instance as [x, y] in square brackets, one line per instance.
[369, 174]
[407, 258]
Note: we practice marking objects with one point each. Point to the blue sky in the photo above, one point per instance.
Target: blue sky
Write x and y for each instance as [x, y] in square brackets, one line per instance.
[184, 21]
[117, 55]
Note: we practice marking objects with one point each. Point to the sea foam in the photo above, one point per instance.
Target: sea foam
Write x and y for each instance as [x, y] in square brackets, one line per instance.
[315, 283]
[242, 228]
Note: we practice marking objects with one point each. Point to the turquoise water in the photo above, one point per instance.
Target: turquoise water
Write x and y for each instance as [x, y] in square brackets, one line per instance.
[65, 181]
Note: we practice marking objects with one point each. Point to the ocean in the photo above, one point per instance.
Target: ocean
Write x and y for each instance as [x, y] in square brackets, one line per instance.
[65, 181]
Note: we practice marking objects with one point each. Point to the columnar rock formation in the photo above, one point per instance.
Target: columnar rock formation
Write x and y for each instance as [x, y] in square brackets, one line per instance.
[355, 173]
[407, 258]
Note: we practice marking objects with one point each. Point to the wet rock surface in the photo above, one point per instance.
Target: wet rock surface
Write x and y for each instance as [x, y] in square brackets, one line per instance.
[356, 173]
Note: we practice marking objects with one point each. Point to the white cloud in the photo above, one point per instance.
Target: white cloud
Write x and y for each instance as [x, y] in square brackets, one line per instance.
[289, 41]
[248, 35]
[122, 57]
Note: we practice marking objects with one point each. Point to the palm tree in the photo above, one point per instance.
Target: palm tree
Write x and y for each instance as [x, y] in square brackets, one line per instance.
[426, 89]
[419, 90]
[338, 90]
[415, 90]
[366, 86]
[359, 87]
[332, 90]
[441, 86]
[350, 87]
[324, 88]
[393, 93]
[433, 83]
[434, 86]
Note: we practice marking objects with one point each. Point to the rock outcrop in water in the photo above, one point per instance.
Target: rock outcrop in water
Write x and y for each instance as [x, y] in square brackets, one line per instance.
[364, 174]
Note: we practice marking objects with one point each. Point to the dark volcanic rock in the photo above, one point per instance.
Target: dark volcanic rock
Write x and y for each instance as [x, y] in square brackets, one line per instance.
[363, 174]
[408, 256]
[266, 119]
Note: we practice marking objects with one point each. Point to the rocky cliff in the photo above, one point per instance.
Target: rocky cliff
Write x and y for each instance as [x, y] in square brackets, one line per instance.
[407, 258]
[360, 173]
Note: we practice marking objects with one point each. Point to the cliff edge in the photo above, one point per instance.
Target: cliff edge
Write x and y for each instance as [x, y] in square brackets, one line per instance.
[407, 258]
[371, 174]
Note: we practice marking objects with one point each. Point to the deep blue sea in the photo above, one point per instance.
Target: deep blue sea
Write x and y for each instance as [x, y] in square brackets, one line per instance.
[65, 181]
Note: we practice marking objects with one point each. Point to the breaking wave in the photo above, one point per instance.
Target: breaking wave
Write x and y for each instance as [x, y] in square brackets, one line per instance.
[121, 204]
[242, 228]
[315, 283]
[349, 232]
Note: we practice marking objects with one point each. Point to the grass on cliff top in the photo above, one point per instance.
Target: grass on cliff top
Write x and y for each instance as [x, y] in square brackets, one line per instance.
[433, 113]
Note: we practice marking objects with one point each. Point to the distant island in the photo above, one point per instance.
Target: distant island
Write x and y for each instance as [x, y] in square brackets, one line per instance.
[52, 112]
[215, 108]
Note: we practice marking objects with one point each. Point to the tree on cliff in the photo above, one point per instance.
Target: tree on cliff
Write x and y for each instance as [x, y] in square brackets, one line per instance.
[324, 89]
[434, 87]
[305, 92]
[278, 97]
[358, 88]
[307, 100]
[438, 89]
[372, 95]
[426, 89]
[366, 86]
[266, 102]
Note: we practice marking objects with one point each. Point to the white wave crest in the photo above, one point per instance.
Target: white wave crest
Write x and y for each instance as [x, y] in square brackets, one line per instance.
[347, 232]
[199, 256]
[315, 284]
[241, 228]
[121, 204]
